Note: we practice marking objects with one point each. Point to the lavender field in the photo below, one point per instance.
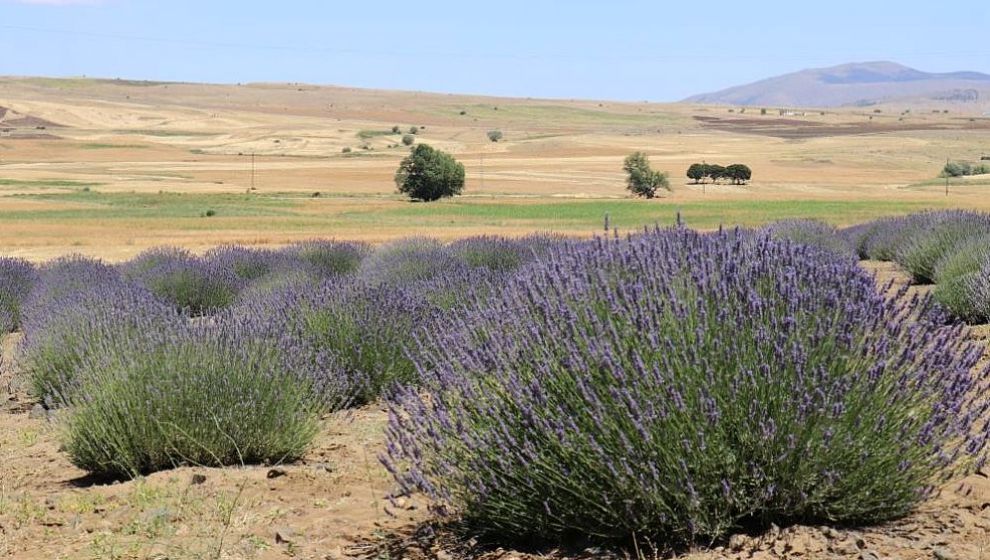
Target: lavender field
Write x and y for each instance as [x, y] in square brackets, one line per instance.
[670, 387]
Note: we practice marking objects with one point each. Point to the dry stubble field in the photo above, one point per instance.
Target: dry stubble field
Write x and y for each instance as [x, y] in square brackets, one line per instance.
[108, 168]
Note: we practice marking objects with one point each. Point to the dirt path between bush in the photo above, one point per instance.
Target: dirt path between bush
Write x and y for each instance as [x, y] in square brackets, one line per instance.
[324, 505]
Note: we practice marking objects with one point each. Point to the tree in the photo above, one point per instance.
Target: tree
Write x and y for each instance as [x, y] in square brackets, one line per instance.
[643, 180]
[714, 171]
[428, 174]
[413, 130]
[396, 129]
[495, 135]
[738, 173]
[696, 172]
[956, 169]
[408, 139]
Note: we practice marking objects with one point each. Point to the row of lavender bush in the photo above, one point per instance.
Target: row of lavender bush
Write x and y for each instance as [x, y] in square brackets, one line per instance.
[949, 248]
[670, 385]
[201, 342]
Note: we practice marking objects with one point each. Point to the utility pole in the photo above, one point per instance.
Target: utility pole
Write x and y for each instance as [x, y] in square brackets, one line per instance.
[946, 170]
[252, 171]
[704, 189]
[482, 168]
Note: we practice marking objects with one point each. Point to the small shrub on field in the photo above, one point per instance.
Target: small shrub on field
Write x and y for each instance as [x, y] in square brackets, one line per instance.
[17, 278]
[197, 286]
[213, 394]
[329, 258]
[60, 333]
[883, 239]
[811, 232]
[679, 385]
[941, 234]
[957, 296]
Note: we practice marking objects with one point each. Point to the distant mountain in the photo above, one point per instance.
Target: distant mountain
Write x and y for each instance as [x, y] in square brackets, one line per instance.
[867, 83]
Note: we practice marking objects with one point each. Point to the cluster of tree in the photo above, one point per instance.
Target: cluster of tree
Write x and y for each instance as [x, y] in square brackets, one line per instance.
[738, 173]
[642, 179]
[964, 168]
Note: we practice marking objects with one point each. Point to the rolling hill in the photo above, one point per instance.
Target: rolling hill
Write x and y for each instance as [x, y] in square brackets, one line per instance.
[859, 84]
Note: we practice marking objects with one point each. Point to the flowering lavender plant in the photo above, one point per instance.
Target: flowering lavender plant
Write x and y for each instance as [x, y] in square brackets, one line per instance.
[194, 285]
[63, 326]
[812, 232]
[501, 254]
[217, 392]
[368, 329]
[327, 258]
[939, 235]
[17, 277]
[244, 263]
[678, 385]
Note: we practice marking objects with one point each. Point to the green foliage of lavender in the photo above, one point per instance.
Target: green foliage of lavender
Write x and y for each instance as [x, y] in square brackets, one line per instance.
[77, 306]
[960, 286]
[329, 258]
[17, 278]
[944, 235]
[812, 232]
[678, 386]
[367, 329]
[217, 394]
[948, 248]
[194, 285]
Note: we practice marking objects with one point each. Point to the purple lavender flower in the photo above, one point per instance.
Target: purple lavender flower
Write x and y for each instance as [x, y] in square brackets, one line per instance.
[660, 370]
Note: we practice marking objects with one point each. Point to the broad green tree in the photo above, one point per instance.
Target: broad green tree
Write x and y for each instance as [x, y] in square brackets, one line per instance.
[429, 174]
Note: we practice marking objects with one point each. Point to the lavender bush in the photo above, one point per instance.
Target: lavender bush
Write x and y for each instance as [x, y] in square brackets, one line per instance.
[368, 329]
[501, 254]
[328, 258]
[979, 288]
[678, 385]
[244, 263]
[211, 393]
[812, 232]
[195, 285]
[941, 235]
[17, 277]
[62, 327]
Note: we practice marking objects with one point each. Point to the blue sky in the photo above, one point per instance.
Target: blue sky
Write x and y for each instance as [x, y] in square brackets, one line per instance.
[628, 50]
